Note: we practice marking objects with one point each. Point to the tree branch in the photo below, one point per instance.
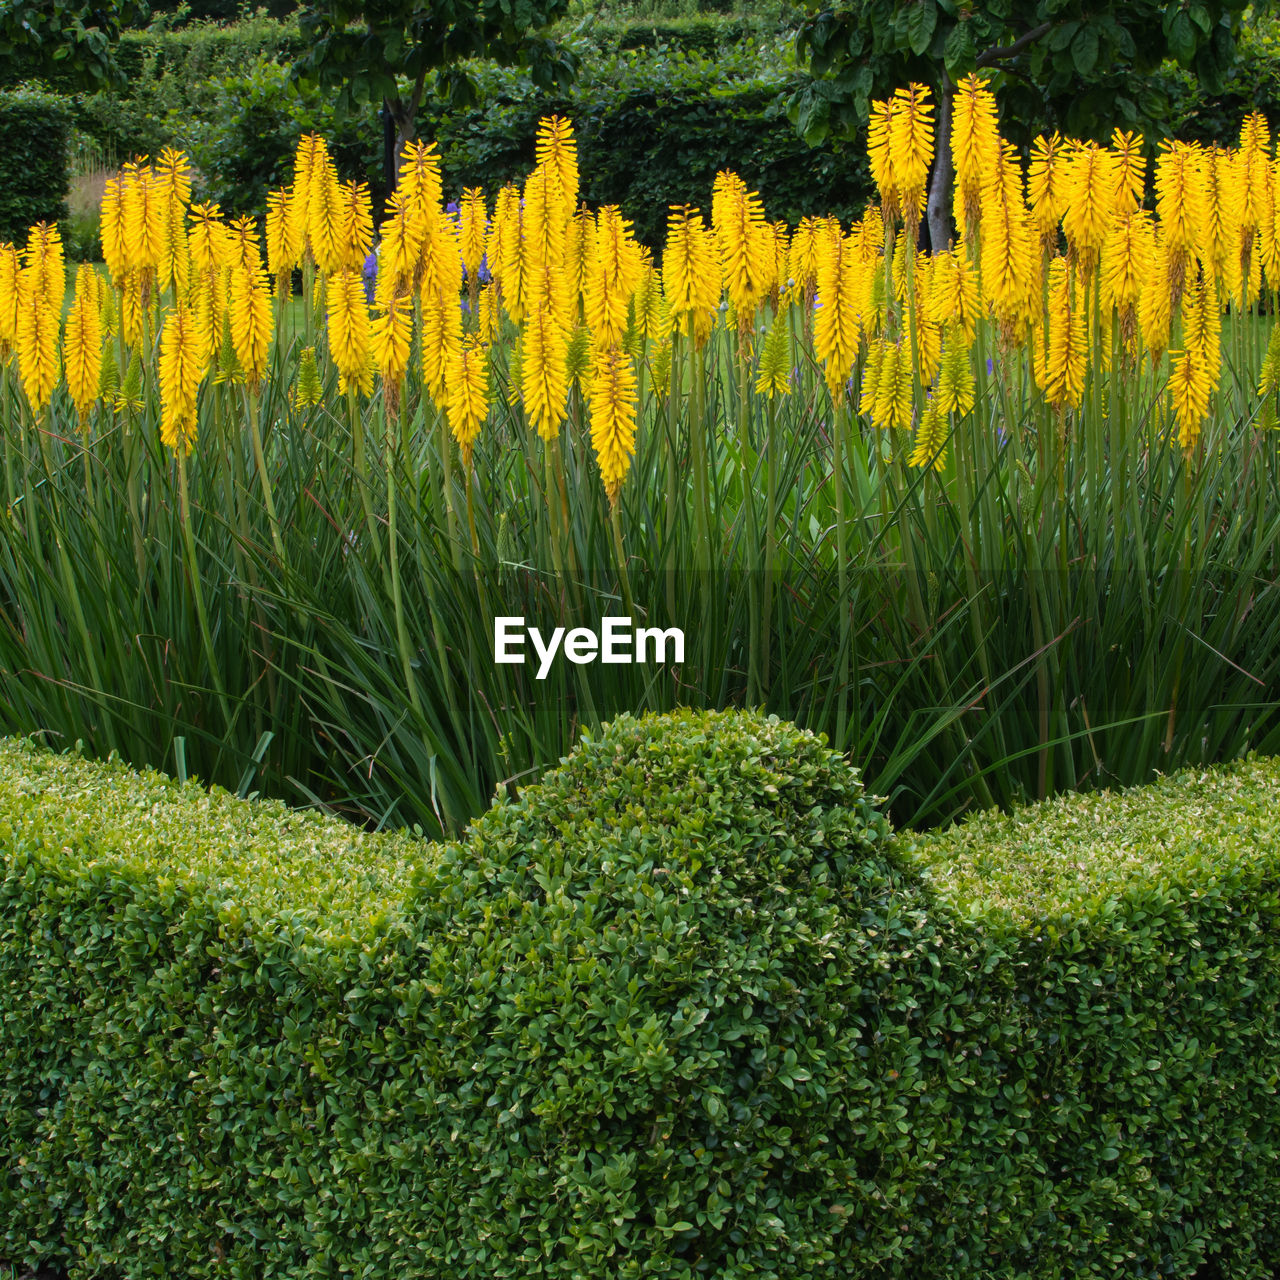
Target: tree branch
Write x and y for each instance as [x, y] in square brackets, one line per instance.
[940, 184]
[1001, 52]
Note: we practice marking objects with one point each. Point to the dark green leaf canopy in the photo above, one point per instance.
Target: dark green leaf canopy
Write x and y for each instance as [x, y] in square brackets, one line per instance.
[389, 50]
[1079, 63]
[39, 36]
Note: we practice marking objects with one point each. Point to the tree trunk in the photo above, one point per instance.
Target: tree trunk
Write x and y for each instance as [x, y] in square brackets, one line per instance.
[936, 212]
[404, 116]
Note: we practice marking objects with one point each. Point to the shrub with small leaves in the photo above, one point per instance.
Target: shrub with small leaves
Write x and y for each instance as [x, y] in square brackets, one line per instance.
[35, 127]
[685, 1008]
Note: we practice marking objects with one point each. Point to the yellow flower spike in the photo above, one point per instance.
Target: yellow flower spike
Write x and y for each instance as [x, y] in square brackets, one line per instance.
[955, 391]
[390, 340]
[1189, 388]
[1202, 328]
[690, 272]
[467, 395]
[1046, 187]
[175, 261]
[173, 175]
[893, 406]
[251, 322]
[578, 359]
[1130, 170]
[613, 417]
[144, 208]
[557, 152]
[1251, 270]
[209, 304]
[899, 266]
[473, 228]
[132, 310]
[930, 445]
[1255, 169]
[745, 243]
[9, 271]
[871, 377]
[802, 256]
[1154, 302]
[975, 148]
[660, 367]
[954, 291]
[442, 262]
[82, 345]
[356, 233]
[545, 223]
[398, 251]
[489, 308]
[348, 325]
[1219, 239]
[886, 386]
[111, 220]
[894, 392]
[419, 181]
[244, 252]
[781, 260]
[1181, 208]
[773, 375]
[325, 215]
[181, 367]
[1126, 266]
[431, 248]
[44, 264]
[37, 341]
[836, 329]
[579, 237]
[1007, 250]
[928, 329]
[911, 151]
[507, 259]
[1066, 360]
[880, 154]
[1091, 183]
[284, 241]
[651, 313]
[311, 147]
[544, 372]
[209, 239]
[613, 275]
[295, 212]
[441, 337]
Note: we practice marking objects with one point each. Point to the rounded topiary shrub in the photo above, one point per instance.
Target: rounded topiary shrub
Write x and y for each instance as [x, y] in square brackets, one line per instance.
[669, 1030]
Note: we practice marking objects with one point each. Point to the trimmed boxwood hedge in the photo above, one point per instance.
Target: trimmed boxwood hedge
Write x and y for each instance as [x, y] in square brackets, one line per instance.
[686, 1008]
[34, 127]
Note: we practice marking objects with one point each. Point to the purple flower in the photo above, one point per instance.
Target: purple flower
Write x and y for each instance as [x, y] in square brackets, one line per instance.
[482, 272]
[369, 273]
[990, 366]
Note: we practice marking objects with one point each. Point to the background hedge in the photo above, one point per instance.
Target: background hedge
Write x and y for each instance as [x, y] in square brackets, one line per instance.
[660, 107]
[34, 127]
[653, 129]
[684, 1009]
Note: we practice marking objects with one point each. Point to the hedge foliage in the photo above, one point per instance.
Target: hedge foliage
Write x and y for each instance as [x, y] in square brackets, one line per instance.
[653, 126]
[35, 127]
[686, 1008]
[659, 109]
